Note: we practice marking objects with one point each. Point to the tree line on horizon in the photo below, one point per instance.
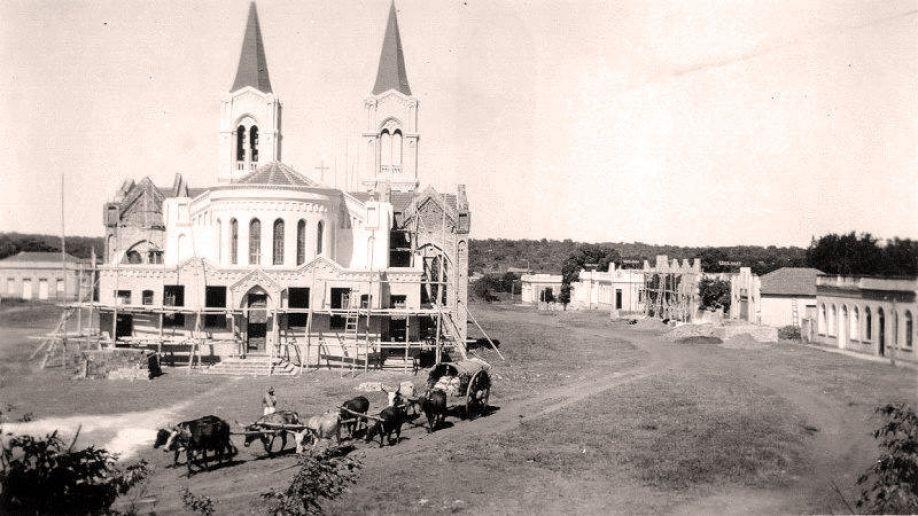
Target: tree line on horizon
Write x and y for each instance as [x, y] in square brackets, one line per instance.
[847, 254]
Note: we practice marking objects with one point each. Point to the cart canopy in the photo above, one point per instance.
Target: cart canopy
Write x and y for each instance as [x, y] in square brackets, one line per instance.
[463, 368]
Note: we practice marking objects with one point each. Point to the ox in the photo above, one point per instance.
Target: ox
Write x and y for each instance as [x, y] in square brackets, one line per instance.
[279, 418]
[358, 405]
[326, 426]
[434, 406]
[389, 424]
[208, 433]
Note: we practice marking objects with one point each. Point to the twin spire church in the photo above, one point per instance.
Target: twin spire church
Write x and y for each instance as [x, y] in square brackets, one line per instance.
[269, 264]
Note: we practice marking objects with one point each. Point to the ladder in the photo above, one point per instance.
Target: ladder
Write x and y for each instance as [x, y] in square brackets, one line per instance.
[50, 342]
[795, 314]
[351, 329]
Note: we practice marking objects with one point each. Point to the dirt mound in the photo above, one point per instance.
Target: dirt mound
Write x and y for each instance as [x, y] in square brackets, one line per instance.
[686, 331]
[743, 341]
[649, 324]
[699, 339]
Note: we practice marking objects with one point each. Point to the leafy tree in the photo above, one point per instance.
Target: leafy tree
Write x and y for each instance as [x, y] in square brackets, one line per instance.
[323, 475]
[45, 476]
[587, 255]
[714, 293]
[851, 254]
[891, 483]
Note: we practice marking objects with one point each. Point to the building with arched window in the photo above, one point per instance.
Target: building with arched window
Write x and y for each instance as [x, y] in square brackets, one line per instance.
[874, 314]
[266, 257]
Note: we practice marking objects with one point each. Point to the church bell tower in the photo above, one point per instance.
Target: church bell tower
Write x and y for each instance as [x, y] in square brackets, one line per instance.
[250, 114]
[390, 150]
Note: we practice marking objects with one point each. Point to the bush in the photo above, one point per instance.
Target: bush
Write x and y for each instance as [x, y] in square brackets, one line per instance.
[789, 333]
[714, 293]
[891, 483]
[197, 503]
[321, 475]
[45, 476]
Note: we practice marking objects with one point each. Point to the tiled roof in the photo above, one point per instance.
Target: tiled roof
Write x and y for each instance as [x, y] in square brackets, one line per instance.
[391, 74]
[278, 174]
[253, 66]
[790, 281]
[40, 256]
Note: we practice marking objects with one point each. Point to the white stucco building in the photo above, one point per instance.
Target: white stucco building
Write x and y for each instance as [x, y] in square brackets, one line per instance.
[788, 296]
[266, 256]
[866, 314]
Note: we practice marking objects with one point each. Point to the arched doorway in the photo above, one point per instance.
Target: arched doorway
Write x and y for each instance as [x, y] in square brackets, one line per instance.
[255, 304]
[881, 331]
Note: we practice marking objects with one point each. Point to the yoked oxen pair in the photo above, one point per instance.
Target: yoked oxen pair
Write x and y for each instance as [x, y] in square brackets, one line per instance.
[269, 427]
[208, 433]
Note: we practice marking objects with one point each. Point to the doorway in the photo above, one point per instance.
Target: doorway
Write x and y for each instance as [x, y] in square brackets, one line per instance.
[618, 299]
[257, 322]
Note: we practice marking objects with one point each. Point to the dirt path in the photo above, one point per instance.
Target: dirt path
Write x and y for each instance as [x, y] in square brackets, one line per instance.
[125, 433]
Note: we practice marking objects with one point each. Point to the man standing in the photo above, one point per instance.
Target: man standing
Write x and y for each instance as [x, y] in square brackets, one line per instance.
[269, 402]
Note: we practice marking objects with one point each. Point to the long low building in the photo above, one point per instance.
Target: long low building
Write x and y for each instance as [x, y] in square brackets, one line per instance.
[44, 275]
[872, 315]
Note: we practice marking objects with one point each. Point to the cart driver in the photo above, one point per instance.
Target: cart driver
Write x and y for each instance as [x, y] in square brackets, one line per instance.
[269, 402]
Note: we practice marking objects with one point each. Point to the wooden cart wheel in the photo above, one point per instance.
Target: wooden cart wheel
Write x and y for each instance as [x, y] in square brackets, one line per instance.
[476, 405]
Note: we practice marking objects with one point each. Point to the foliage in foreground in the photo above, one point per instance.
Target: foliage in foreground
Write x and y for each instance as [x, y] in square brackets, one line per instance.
[42, 475]
[197, 503]
[323, 475]
[890, 486]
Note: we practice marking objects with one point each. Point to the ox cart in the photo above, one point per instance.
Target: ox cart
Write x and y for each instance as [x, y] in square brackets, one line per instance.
[467, 384]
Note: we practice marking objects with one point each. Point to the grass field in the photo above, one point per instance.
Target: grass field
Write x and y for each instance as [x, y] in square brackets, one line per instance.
[592, 416]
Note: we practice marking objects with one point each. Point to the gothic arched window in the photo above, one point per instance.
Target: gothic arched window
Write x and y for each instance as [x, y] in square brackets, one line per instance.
[253, 143]
[320, 236]
[240, 143]
[397, 148]
[234, 241]
[385, 148]
[300, 242]
[255, 242]
[279, 242]
[868, 324]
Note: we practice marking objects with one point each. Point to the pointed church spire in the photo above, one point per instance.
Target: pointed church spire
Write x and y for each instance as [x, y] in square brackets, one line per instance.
[391, 74]
[253, 67]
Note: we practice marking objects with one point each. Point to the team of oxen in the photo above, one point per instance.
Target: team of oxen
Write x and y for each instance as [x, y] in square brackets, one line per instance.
[212, 435]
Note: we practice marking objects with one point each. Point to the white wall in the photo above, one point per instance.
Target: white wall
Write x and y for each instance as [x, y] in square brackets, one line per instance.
[778, 311]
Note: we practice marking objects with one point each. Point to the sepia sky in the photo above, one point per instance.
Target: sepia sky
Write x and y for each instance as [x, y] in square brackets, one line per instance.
[682, 122]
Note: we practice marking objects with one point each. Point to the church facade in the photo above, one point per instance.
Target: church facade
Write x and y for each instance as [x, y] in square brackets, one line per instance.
[266, 258]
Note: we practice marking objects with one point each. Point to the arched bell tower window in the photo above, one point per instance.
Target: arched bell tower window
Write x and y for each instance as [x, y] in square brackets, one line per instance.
[240, 143]
[385, 149]
[396, 150]
[278, 241]
[255, 242]
[253, 143]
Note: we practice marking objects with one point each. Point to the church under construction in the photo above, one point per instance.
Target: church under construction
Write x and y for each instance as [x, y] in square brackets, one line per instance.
[273, 267]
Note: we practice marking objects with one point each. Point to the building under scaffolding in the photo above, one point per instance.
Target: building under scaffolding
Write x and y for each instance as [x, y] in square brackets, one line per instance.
[670, 288]
[270, 265]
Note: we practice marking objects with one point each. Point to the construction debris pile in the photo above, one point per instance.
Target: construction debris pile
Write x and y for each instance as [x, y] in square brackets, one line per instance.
[725, 332]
